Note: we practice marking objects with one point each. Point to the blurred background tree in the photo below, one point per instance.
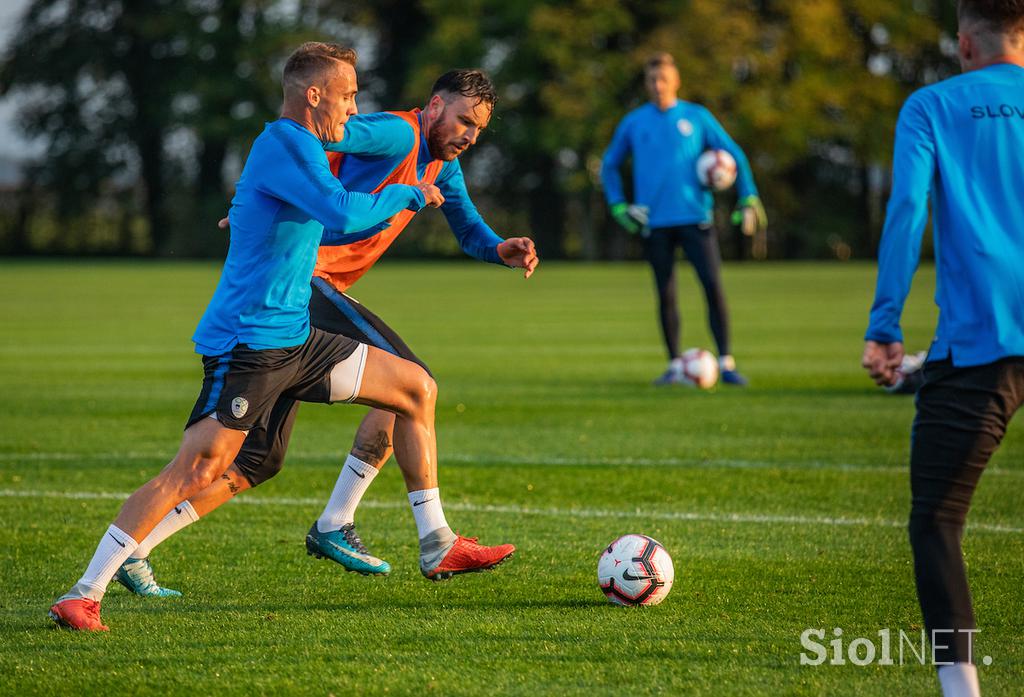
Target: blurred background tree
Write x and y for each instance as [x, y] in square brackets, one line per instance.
[147, 109]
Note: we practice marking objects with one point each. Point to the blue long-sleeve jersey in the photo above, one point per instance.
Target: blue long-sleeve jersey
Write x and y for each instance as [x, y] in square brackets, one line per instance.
[375, 143]
[665, 146]
[961, 141]
[284, 199]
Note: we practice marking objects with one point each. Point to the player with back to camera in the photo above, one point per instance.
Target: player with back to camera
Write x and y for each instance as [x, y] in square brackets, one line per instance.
[961, 142]
[377, 149]
[255, 337]
[672, 208]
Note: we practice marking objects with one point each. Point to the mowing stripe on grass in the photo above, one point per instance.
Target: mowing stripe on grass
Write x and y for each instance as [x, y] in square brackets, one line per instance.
[467, 458]
[553, 512]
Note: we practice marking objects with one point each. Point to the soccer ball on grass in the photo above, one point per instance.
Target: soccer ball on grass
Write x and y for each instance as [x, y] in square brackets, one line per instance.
[700, 368]
[635, 570]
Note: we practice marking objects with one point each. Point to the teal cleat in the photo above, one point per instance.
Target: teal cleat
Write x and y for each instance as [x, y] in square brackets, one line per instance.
[137, 576]
[345, 547]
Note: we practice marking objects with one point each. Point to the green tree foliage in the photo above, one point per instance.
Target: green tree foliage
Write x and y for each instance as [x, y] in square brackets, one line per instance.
[810, 88]
[155, 93]
[167, 92]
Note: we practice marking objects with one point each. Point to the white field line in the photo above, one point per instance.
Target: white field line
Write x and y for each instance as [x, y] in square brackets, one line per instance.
[549, 512]
[466, 458]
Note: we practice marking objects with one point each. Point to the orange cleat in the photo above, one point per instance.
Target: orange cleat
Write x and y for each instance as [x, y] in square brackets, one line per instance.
[80, 614]
[466, 556]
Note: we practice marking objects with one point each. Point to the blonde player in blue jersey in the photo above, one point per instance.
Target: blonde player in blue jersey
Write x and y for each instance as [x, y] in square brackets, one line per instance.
[671, 208]
[960, 143]
[255, 336]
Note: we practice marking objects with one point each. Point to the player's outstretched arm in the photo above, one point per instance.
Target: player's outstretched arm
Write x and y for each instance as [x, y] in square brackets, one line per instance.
[431, 195]
[333, 238]
[293, 168]
[375, 136]
[476, 238]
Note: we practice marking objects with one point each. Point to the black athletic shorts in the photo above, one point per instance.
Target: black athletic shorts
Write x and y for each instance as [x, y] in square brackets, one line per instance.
[242, 386]
[262, 453]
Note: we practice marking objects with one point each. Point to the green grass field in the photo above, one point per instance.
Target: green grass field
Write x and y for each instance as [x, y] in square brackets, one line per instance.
[782, 505]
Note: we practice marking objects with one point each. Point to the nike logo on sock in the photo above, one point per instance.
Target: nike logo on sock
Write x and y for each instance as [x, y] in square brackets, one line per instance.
[177, 510]
[116, 540]
[358, 473]
[414, 503]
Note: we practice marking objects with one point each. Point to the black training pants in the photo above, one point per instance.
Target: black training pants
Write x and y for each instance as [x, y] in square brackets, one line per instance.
[962, 416]
[700, 244]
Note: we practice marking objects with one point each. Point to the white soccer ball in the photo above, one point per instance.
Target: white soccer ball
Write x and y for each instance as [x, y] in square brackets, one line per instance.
[716, 169]
[635, 570]
[700, 368]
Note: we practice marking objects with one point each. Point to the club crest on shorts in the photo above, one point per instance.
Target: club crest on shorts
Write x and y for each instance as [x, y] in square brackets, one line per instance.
[685, 127]
[239, 405]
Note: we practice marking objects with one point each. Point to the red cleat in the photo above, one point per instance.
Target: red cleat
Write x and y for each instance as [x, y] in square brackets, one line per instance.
[81, 614]
[466, 556]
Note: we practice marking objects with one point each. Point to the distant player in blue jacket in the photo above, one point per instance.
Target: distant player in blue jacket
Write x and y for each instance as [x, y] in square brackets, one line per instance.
[960, 143]
[671, 208]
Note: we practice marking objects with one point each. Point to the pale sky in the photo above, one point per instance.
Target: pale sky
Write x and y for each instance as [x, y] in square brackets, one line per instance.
[11, 144]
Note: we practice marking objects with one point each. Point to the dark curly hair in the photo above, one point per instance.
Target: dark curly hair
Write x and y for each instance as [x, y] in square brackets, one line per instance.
[1003, 16]
[474, 84]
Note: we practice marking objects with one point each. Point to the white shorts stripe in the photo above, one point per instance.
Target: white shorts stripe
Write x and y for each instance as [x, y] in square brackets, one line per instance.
[347, 376]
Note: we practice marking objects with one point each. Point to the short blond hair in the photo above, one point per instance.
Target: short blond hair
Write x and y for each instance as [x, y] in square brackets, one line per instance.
[311, 61]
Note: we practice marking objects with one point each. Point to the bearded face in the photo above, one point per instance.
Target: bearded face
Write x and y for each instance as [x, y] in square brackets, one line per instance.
[456, 123]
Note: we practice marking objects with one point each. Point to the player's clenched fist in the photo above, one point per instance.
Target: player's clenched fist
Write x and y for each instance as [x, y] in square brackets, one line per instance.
[431, 193]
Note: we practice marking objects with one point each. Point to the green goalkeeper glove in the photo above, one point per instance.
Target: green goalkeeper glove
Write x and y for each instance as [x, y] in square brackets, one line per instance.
[750, 215]
[632, 218]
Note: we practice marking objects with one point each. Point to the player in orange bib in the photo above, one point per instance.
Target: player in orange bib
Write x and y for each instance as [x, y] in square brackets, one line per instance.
[378, 150]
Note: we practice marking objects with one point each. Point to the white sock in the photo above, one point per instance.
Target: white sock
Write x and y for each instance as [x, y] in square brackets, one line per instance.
[181, 516]
[426, 508]
[726, 362]
[353, 481]
[959, 680]
[676, 364]
[112, 551]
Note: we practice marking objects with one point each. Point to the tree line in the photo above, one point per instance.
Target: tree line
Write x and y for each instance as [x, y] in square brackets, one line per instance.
[146, 110]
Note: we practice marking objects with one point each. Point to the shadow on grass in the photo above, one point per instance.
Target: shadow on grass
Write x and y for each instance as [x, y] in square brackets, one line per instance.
[375, 605]
[33, 622]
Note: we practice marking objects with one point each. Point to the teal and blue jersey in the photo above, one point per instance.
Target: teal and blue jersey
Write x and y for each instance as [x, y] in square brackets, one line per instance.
[284, 199]
[665, 146]
[375, 144]
[960, 143]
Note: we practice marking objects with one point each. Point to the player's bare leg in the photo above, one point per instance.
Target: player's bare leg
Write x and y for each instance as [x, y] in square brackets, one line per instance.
[408, 392]
[136, 574]
[373, 445]
[442, 552]
[387, 382]
[206, 451]
[333, 535]
[394, 384]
